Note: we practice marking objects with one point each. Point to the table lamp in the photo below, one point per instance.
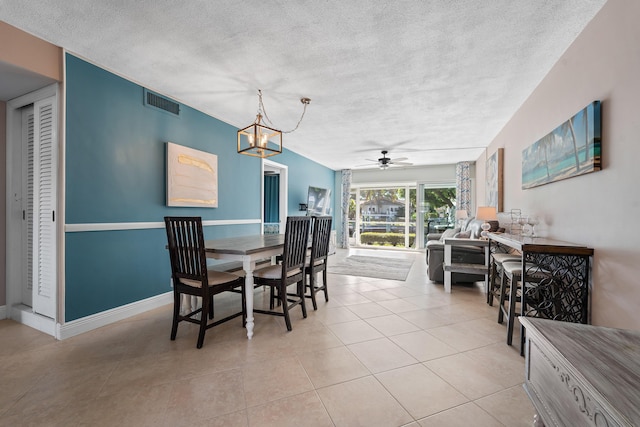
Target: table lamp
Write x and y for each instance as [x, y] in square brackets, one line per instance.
[461, 215]
[486, 213]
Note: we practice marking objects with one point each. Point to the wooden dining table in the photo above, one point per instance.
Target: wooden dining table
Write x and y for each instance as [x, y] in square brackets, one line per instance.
[248, 250]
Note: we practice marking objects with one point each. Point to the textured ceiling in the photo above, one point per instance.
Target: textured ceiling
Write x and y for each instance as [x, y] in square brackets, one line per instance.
[430, 80]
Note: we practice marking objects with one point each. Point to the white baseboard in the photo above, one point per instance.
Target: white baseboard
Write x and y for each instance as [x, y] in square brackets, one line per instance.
[26, 316]
[86, 324]
[3, 312]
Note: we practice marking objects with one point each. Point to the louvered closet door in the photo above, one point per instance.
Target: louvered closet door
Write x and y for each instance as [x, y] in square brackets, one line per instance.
[44, 243]
[27, 206]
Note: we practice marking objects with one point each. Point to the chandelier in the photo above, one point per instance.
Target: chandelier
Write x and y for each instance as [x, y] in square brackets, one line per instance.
[259, 140]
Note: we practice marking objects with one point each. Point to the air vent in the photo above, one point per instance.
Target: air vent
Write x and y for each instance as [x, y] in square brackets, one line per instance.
[161, 103]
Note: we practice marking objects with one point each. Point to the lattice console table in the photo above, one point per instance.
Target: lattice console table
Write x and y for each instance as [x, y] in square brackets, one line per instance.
[564, 295]
[582, 375]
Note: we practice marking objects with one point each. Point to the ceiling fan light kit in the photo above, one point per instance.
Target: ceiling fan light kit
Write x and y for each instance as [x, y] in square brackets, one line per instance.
[384, 162]
[259, 140]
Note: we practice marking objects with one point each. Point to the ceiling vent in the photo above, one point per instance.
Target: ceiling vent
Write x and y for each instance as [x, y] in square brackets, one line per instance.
[161, 103]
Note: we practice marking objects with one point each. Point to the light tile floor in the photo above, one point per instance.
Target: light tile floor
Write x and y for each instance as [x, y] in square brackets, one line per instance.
[379, 353]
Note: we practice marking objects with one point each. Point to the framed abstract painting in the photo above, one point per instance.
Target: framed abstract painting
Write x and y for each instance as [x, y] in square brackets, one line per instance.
[192, 177]
[495, 180]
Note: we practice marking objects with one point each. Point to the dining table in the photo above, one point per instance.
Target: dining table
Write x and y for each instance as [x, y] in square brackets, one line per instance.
[249, 250]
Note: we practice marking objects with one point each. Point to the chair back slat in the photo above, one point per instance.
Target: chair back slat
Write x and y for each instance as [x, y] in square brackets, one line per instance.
[186, 248]
[321, 237]
[296, 237]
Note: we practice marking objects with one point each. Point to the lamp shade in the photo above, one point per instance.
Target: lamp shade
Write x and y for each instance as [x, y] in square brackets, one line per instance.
[461, 214]
[486, 213]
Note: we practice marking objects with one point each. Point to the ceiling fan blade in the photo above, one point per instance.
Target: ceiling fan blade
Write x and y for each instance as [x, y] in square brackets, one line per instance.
[402, 163]
[400, 159]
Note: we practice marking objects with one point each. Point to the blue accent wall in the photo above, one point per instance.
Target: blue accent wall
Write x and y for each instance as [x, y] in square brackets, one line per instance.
[302, 174]
[115, 162]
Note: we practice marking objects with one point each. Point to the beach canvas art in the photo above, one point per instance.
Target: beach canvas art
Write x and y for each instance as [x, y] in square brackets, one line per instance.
[571, 149]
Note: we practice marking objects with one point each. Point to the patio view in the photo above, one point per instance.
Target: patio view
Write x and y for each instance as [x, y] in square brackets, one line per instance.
[395, 216]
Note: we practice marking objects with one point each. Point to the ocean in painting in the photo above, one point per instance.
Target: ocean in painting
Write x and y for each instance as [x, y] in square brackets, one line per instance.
[571, 149]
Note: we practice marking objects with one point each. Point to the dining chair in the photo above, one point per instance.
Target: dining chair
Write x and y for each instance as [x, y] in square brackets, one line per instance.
[290, 271]
[192, 277]
[317, 261]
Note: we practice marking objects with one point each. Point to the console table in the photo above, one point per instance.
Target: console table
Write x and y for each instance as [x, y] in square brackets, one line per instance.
[565, 294]
[582, 375]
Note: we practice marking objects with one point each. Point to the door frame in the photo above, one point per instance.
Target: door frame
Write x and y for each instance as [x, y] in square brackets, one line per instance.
[283, 171]
[14, 277]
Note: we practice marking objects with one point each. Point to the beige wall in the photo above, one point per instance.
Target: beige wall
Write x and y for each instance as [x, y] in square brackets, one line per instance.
[3, 202]
[26, 51]
[600, 209]
[436, 173]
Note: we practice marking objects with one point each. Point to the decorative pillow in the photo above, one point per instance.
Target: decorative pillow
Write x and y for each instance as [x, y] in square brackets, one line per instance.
[449, 232]
[463, 235]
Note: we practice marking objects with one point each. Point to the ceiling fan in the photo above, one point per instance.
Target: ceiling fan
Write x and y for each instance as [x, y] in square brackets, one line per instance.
[384, 162]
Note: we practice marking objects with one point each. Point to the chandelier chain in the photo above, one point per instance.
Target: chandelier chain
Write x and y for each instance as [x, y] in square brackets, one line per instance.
[263, 112]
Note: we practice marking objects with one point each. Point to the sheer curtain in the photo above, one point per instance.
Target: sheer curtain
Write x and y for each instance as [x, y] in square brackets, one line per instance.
[343, 241]
[463, 186]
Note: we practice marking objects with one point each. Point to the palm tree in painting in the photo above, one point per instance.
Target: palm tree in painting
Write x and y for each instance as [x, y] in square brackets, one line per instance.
[544, 145]
[569, 124]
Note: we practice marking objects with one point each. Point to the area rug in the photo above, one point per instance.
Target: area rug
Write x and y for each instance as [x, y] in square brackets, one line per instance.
[368, 266]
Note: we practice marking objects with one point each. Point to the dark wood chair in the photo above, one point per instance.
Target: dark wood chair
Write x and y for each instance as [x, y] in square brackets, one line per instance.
[317, 261]
[290, 271]
[192, 277]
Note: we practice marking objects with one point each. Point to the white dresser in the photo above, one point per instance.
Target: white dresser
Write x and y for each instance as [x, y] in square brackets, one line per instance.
[582, 375]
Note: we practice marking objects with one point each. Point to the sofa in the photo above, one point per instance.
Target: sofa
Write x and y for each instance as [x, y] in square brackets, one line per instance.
[470, 229]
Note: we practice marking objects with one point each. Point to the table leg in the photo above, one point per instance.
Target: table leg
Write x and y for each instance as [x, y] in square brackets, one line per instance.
[248, 266]
[447, 272]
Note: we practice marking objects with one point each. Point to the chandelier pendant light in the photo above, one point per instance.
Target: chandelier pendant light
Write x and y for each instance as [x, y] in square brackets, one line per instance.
[259, 140]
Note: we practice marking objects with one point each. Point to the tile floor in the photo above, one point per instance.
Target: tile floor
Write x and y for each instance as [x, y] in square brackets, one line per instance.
[379, 353]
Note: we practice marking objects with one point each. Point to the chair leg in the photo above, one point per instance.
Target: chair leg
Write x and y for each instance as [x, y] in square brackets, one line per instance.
[282, 293]
[176, 313]
[511, 315]
[244, 306]
[210, 307]
[301, 292]
[203, 321]
[273, 297]
[324, 283]
[503, 292]
[492, 283]
[312, 288]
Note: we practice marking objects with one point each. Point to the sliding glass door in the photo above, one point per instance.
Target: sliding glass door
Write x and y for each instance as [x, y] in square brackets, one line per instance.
[383, 217]
[437, 209]
[399, 216]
